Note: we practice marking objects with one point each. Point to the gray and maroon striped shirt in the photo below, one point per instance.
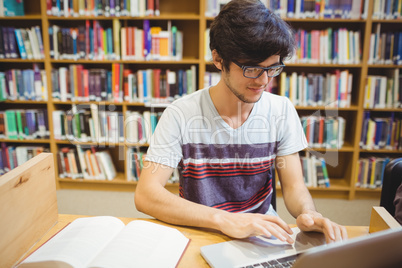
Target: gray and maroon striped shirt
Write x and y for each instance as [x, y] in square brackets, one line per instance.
[219, 166]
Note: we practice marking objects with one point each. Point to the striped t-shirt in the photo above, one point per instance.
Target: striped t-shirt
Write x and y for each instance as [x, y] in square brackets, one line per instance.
[219, 166]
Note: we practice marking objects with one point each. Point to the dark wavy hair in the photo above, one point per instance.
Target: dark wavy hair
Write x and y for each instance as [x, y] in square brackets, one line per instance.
[246, 31]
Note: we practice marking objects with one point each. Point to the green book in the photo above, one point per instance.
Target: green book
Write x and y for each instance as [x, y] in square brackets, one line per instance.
[20, 129]
[11, 125]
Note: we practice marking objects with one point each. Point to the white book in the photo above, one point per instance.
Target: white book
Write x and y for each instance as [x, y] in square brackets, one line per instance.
[95, 118]
[383, 92]
[63, 83]
[147, 125]
[138, 244]
[397, 103]
[106, 163]
[134, 8]
[57, 125]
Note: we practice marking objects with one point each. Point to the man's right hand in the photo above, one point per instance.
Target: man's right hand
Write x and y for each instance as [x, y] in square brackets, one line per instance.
[242, 225]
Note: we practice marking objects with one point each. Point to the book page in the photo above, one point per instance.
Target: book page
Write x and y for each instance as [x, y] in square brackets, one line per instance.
[77, 244]
[143, 244]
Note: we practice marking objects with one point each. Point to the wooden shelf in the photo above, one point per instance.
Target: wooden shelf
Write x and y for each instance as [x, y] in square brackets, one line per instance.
[25, 17]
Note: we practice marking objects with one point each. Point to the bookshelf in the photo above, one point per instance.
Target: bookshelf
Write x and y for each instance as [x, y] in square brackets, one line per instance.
[190, 18]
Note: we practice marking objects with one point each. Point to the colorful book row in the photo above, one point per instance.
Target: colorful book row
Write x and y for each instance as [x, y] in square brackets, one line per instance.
[88, 123]
[95, 41]
[381, 132]
[11, 8]
[140, 127]
[330, 89]
[14, 156]
[371, 172]
[145, 86]
[387, 9]
[29, 84]
[23, 43]
[24, 124]
[85, 163]
[108, 8]
[385, 48]
[330, 46]
[315, 173]
[324, 132]
[352, 9]
[383, 91]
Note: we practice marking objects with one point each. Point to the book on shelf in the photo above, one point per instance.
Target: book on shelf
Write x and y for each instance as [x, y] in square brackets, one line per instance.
[95, 40]
[140, 127]
[301, 9]
[28, 84]
[88, 123]
[331, 89]
[324, 132]
[23, 43]
[148, 86]
[383, 91]
[21, 124]
[315, 173]
[13, 156]
[85, 163]
[386, 9]
[110, 8]
[329, 46]
[381, 132]
[385, 47]
[114, 244]
[11, 8]
[370, 172]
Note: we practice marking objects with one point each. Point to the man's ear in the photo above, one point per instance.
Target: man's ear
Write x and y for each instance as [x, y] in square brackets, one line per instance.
[217, 60]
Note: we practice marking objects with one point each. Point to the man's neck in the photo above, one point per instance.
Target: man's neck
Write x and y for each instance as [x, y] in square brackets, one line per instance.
[232, 110]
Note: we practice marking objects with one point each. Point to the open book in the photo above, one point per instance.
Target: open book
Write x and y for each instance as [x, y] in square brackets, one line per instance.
[106, 242]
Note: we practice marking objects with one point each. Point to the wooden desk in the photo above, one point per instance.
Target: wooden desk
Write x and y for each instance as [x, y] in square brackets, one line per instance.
[199, 237]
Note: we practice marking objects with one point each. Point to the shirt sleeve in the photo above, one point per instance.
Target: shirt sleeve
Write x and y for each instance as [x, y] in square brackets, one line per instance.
[166, 141]
[291, 137]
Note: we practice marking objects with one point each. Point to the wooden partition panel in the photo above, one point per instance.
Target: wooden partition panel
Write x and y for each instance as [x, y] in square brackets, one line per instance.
[28, 207]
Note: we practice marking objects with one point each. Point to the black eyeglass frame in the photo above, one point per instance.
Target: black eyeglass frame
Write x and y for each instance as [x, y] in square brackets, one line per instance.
[266, 69]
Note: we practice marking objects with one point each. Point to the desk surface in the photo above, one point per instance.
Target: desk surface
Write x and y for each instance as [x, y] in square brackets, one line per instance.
[199, 237]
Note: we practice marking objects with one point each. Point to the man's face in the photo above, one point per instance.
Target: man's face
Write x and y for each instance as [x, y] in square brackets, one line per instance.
[248, 90]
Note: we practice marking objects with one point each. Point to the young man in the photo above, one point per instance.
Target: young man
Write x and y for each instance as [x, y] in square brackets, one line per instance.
[224, 139]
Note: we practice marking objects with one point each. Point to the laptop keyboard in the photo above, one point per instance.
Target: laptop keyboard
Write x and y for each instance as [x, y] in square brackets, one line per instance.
[281, 262]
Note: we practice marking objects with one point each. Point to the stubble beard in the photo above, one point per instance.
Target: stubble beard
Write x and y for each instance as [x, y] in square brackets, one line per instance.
[240, 96]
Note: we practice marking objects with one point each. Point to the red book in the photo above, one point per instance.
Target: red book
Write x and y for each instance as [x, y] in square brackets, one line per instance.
[86, 84]
[126, 72]
[87, 46]
[80, 86]
[116, 88]
[130, 42]
[156, 76]
[95, 38]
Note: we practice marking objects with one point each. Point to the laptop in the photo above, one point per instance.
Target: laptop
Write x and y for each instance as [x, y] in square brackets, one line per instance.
[378, 250]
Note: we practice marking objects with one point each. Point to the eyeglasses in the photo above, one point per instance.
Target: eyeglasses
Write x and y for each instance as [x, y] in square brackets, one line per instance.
[257, 71]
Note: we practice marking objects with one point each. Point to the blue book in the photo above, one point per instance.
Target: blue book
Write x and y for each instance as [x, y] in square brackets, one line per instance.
[20, 85]
[145, 86]
[366, 119]
[291, 8]
[12, 46]
[109, 94]
[40, 41]
[180, 82]
[14, 8]
[20, 43]
[396, 49]
[148, 40]
[28, 78]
